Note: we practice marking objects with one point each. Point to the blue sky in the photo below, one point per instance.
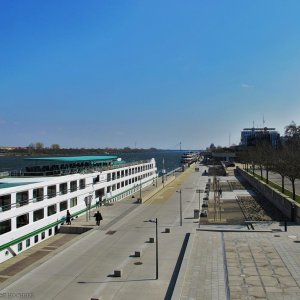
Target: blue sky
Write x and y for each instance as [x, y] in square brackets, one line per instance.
[146, 73]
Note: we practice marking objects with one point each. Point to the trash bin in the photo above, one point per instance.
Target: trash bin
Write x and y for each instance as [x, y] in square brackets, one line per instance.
[196, 213]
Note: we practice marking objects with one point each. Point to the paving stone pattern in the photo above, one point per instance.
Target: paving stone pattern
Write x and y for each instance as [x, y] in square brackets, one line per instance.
[256, 269]
[205, 276]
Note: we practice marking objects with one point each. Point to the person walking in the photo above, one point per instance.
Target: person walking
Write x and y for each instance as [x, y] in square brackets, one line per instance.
[98, 217]
[68, 218]
[220, 193]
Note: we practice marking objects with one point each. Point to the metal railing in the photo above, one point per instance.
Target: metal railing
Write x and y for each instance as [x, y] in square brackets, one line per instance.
[75, 170]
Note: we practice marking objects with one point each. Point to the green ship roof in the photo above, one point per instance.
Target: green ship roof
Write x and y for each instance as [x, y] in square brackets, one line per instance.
[76, 158]
[9, 184]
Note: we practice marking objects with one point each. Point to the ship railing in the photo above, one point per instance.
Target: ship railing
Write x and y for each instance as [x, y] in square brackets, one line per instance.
[76, 170]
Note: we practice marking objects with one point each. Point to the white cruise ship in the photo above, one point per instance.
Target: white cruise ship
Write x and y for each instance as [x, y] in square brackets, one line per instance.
[34, 201]
[189, 157]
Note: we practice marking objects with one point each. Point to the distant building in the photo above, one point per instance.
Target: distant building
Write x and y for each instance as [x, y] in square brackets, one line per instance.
[253, 136]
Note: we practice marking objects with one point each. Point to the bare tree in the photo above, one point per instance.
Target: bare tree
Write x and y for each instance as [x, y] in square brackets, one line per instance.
[279, 165]
[39, 146]
[55, 146]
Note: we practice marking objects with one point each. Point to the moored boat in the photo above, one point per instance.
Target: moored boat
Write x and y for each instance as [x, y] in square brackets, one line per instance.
[34, 201]
[189, 157]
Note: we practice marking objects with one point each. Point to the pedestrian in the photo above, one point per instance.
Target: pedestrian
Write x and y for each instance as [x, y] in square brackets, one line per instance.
[98, 217]
[220, 193]
[68, 218]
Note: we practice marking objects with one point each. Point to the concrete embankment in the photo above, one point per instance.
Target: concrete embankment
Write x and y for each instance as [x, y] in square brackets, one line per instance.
[286, 205]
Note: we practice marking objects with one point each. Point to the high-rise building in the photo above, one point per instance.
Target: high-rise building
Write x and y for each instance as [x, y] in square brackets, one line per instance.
[253, 136]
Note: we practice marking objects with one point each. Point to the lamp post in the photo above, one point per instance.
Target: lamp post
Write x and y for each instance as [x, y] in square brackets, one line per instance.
[163, 173]
[140, 188]
[88, 201]
[180, 206]
[156, 242]
[199, 192]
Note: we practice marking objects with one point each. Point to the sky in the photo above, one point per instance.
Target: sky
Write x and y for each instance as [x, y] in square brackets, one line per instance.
[146, 73]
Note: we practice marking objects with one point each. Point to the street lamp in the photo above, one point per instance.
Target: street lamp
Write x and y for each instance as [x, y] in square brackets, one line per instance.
[180, 206]
[156, 241]
[88, 201]
[141, 189]
[163, 173]
[199, 192]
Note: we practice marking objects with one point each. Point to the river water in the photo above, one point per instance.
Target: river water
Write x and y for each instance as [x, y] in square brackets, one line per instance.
[171, 160]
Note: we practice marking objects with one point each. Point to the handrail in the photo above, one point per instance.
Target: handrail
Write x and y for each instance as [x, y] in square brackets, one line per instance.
[69, 171]
[59, 193]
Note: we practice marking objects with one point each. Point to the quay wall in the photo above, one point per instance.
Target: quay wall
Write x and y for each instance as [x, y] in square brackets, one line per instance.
[289, 207]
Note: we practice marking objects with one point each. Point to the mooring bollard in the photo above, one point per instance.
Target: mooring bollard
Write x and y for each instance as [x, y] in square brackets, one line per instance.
[167, 230]
[117, 273]
[138, 253]
[151, 240]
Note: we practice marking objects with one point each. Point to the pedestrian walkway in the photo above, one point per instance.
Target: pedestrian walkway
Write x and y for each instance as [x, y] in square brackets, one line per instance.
[205, 276]
[112, 213]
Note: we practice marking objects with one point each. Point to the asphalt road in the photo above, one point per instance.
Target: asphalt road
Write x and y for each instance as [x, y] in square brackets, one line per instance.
[276, 178]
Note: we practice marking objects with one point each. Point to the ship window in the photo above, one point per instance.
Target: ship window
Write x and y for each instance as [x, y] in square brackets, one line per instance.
[51, 191]
[118, 174]
[129, 181]
[5, 226]
[82, 184]
[108, 189]
[122, 184]
[20, 246]
[38, 194]
[63, 188]
[43, 235]
[99, 193]
[73, 186]
[129, 171]
[126, 182]
[22, 198]
[108, 177]
[114, 187]
[5, 202]
[22, 220]
[36, 238]
[118, 185]
[113, 176]
[38, 214]
[73, 201]
[50, 231]
[51, 210]
[27, 243]
[122, 173]
[63, 205]
[126, 172]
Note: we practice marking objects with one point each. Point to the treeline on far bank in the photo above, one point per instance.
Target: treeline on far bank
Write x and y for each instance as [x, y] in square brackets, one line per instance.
[57, 151]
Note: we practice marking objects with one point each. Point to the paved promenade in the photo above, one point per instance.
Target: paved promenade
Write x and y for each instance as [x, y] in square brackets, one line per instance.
[213, 262]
